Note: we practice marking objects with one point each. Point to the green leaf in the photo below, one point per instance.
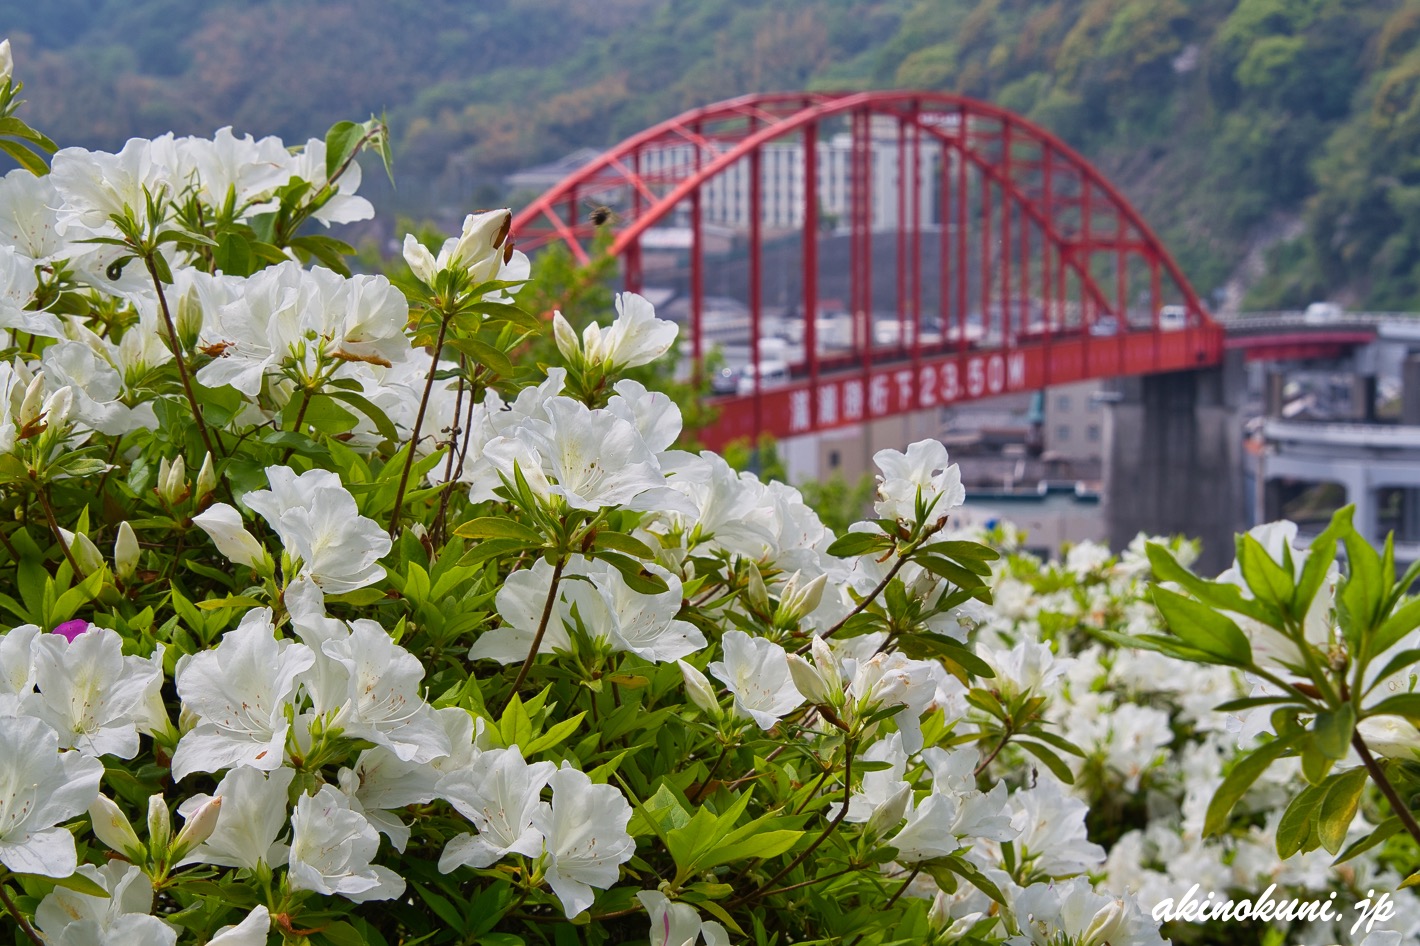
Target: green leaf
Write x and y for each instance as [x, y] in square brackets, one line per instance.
[340, 144]
[484, 354]
[493, 527]
[761, 844]
[1384, 831]
[858, 543]
[1339, 807]
[24, 157]
[1299, 821]
[1400, 623]
[637, 576]
[621, 542]
[365, 406]
[1220, 595]
[1201, 627]
[1402, 704]
[1052, 761]
[1333, 730]
[1268, 580]
[1239, 780]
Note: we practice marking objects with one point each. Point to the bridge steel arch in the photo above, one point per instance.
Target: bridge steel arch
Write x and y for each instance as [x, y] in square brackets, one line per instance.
[1042, 274]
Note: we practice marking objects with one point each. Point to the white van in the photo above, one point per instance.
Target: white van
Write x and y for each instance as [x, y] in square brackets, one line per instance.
[1173, 318]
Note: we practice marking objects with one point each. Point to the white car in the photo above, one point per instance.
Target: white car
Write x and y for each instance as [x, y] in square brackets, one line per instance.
[772, 374]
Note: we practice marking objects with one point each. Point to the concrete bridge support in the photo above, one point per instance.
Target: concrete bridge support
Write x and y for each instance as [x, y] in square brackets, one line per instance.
[1172, 458]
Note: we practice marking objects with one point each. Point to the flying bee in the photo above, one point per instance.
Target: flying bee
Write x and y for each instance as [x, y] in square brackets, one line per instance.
[600, 215]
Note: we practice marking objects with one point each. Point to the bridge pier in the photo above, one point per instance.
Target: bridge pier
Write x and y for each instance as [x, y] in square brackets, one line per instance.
[1172, 454]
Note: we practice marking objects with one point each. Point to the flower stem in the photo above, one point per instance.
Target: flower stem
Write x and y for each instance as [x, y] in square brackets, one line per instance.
[903, 889]
[43, 493]
[1397, 804]
[19, 917]
[710, 776]
[177, 354]
[823, 835]
[418, 425]
[1005, 738]
[541, 628]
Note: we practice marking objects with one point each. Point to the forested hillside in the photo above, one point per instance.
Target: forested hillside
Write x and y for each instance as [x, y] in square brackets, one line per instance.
[1237, 125]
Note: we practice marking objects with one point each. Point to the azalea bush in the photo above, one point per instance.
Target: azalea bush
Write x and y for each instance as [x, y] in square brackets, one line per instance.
[1167, 743]
[337, 618]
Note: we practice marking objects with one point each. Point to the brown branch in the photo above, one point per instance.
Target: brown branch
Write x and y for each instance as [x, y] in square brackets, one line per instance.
[541, 629]
[19, 917]
[1402, 811]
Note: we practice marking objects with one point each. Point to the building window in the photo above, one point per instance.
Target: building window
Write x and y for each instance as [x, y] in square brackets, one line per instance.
[1062, 433]
[1062, 402]
[1092, 433]
[834, 460]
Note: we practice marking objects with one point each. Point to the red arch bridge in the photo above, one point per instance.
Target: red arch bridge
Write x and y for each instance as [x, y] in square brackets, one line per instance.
[875, 253]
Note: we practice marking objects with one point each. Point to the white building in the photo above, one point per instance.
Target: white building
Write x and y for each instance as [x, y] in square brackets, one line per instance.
[726, 198]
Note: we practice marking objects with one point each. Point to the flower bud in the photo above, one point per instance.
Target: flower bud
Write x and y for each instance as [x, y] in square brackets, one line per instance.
[172, 481]
[421, 261]
[112, 827]
[701, 693]
[198, 828]
[7, 62]
[189, 319]
[756, 592]
[206, 479]
[32, 403]
[125, 552]
[1107, 926]
[223, 524]
[808, 681]
[86, 554]
[566, 337]
[160, 825]
[890, 813]
[798, 600]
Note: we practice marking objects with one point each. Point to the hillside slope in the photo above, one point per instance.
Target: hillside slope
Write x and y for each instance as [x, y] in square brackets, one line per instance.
[1285, 128]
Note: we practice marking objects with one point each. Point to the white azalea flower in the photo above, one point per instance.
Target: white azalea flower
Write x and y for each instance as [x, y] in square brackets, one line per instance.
[655, 415]
[223, 525]
[69, 918]
[678, 924]
[249, 932]
[239, 693]
[880, 789]
[252, 818]
[331, 850]
[921, 471]
[40, 787]
[636, 337]
[382, 700]
[381, 782]
[520, 602]
[90, 693]
[1029, 666]
[1052, 830]
[17, 667]
[627, 620]
[499, 793]
[1071, 910]
[946, 822]
[591, 458]
[478, 250]
[94, 185]
[246, 169]
[585, 827]
[7, 62]
[756, 670]
[318, 523]
[344, 206]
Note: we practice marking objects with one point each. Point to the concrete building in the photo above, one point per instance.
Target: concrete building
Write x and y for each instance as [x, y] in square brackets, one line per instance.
[1074, 423]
